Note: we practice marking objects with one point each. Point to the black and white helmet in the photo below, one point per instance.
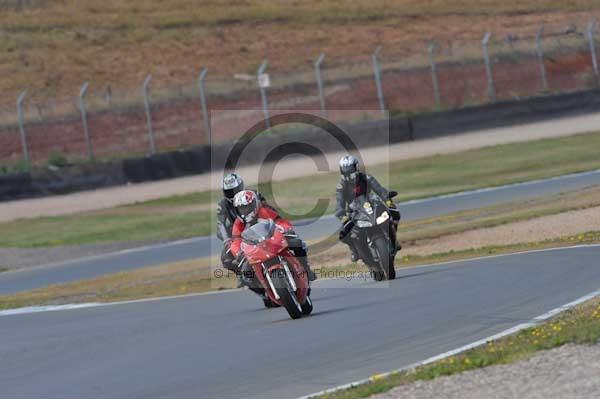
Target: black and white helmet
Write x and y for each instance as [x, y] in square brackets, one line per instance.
[232, 184]
[349, 167]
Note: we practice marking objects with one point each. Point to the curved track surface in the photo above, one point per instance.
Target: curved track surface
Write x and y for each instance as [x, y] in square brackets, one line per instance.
[11, 282]
[226, 346]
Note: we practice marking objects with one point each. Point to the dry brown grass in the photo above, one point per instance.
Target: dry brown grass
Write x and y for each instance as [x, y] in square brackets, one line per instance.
[55, 46]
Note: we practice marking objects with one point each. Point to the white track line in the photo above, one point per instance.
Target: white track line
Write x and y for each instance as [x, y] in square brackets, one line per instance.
[54, 308]
[535, 321]
[40, 309]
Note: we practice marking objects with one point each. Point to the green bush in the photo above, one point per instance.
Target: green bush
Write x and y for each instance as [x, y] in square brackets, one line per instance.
[17, 167]
[57, 159]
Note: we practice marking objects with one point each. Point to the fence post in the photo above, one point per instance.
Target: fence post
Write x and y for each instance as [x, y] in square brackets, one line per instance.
[148, 114]
[540, 53]
[263, 91]
[377, 73]
[108, 96]
[320, 84]
[488, 67]
[204, 105]
[590, 31]
[434, 79]
[88, 141]
[21, 117]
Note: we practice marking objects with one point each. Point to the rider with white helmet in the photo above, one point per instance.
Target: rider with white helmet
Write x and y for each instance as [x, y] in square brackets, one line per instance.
[250, 209]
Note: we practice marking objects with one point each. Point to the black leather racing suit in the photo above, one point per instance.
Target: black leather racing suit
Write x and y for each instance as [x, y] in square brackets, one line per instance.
[347, 191]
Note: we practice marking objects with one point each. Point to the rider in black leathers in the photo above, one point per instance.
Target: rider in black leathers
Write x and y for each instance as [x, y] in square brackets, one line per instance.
[226, 215]
[353, 183]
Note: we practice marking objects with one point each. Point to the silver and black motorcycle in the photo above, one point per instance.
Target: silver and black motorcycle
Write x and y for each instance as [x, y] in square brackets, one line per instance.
[369, 232]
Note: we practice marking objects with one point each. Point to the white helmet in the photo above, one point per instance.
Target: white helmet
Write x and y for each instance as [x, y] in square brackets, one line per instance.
[246, 203]
[349, 167]
[232, 184]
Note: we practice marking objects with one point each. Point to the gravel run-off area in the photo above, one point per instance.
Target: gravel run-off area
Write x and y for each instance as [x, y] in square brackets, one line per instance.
[571, 371]
[533, 230]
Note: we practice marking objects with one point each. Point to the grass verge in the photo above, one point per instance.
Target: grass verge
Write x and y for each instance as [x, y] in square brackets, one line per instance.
[194, 276]
[580, 325]
[191, 215]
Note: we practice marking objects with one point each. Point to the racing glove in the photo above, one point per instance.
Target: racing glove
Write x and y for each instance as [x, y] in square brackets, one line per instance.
[347, 225]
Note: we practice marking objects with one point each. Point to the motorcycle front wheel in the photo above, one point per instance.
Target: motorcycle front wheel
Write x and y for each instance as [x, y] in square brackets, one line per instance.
[386, 260]
[286, 294]
[307, 306]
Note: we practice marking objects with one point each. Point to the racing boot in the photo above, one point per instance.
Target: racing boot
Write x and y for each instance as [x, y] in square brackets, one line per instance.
[353, 255]
[300, 251]
[398, 247]
[306, 266]
[240, 281]
[312, 276]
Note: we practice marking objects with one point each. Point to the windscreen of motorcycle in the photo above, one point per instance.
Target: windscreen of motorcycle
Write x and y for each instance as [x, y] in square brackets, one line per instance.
[259, 232]
[362, 208]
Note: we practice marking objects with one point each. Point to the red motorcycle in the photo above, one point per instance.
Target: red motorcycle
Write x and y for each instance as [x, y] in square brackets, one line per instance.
[285, 282]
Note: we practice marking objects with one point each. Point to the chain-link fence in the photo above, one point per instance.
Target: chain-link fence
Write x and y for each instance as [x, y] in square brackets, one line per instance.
[105, 122]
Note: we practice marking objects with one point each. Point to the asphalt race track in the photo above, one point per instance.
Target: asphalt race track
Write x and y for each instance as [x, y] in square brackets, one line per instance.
[11, 282]
[226, 345]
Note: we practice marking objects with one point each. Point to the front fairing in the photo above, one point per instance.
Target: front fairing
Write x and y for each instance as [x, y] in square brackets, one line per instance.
[366, 210]
[264, 241]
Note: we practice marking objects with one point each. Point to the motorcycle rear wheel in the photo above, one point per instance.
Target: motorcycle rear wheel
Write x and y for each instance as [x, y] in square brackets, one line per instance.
[286, 295]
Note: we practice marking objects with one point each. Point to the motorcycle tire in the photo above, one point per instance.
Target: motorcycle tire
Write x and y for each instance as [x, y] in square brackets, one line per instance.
[307, 306]
[386, 260]
[367, 258]
[287, 297]
[269, 304]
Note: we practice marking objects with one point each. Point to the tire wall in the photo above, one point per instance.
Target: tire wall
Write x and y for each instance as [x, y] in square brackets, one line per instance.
[197, 160]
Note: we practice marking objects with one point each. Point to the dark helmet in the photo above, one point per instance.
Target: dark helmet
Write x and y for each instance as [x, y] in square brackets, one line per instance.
[232, 184]
[349, 167]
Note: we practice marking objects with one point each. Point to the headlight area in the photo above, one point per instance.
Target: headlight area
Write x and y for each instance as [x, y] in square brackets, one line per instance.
[363, 223]
[383, 217]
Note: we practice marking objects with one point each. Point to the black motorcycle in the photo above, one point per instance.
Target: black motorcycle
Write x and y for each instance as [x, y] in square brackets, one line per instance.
[369, 232]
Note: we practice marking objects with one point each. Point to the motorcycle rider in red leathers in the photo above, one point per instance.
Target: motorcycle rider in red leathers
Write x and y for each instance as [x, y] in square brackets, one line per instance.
[250, 209]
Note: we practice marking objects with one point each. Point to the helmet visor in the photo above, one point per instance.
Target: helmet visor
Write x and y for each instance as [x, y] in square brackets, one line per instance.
[245, 210]
[350, 176]
[347, 169]
[230, 193]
